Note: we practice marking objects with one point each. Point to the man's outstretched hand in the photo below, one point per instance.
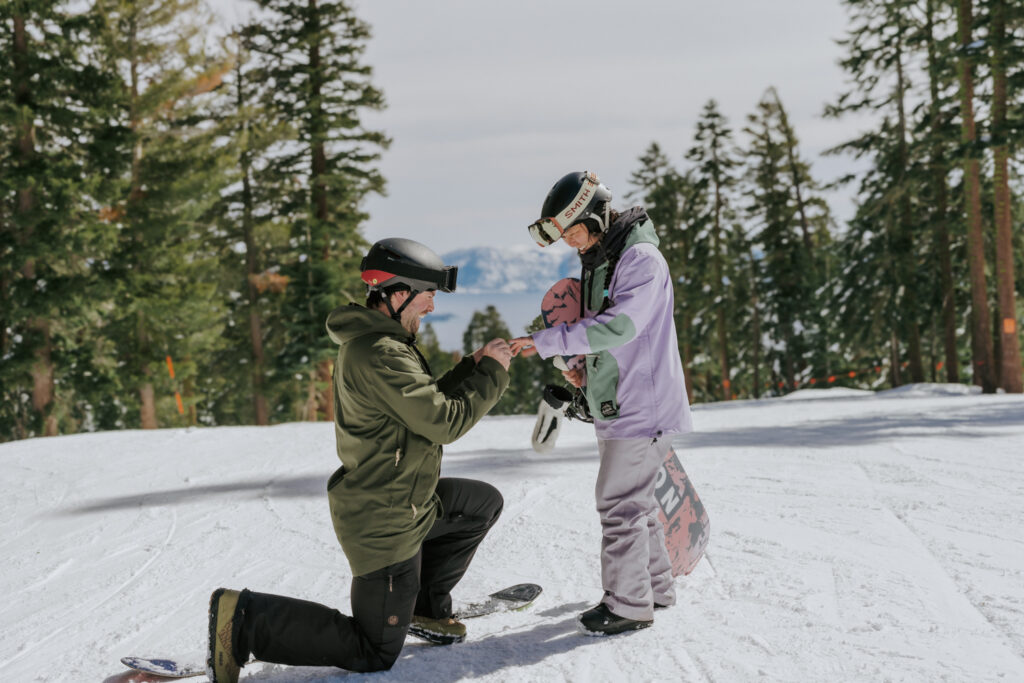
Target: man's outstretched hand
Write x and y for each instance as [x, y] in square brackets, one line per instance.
[498, 349]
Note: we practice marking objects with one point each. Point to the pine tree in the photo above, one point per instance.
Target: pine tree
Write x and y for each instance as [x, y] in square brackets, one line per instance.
[939, 142]
[163, 272]
[792, 238]
[251, 241]
[878, 61]
[1010, 378]
[715, 169]
[312, 52]
[785, 259]
[56, 122]
[981, 340]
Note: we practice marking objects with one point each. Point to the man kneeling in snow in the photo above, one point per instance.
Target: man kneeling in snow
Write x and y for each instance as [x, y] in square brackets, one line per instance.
[408, 535]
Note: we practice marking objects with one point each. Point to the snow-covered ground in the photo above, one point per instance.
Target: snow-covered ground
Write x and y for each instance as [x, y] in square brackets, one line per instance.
[867, 537]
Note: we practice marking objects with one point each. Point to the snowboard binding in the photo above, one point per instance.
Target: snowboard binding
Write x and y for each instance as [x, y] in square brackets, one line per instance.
[570, 403]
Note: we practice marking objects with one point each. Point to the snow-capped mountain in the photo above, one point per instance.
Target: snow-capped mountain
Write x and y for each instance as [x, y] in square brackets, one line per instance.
[511, 270]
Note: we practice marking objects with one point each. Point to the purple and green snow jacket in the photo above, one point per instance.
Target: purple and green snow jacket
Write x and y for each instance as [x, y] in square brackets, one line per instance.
[634, 386]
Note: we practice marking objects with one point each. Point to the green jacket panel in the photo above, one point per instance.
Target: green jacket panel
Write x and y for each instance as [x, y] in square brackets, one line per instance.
[391, 419]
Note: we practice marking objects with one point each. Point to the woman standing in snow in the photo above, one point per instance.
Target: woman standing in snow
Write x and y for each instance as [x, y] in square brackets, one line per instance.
[634, 385]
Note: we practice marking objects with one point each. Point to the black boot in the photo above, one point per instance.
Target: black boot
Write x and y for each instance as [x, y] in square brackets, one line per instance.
[601, 621]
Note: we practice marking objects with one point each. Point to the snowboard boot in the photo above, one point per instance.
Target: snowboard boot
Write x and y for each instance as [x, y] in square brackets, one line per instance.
[601, 621]
[221, 666]
[444, 631]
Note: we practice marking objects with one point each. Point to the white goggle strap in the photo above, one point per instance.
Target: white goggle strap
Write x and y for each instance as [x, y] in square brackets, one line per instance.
[570, 213]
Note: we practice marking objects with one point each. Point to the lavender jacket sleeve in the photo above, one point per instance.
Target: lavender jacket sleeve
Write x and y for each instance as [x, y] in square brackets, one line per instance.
[638, 283]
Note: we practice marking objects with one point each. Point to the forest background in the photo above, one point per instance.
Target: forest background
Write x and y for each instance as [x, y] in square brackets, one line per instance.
[180, 210]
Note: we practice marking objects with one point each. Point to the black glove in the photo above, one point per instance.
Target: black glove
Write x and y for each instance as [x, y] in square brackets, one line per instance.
[572, 404]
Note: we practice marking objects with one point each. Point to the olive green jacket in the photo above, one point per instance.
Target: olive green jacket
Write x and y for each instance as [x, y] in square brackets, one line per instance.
[390, 419]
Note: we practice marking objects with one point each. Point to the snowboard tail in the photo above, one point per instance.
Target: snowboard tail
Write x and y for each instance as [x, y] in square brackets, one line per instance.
[165, 668]
[517, 597]
[687, 527]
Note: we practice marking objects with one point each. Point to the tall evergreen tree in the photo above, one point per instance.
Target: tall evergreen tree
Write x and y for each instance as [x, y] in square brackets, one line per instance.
[163, 272]
[56, 121]
[715, 167]
[252, 241]
[939, 141]
[786, 253]
[878, 61]
[313, 50]
[981, 340]
[1001, 50]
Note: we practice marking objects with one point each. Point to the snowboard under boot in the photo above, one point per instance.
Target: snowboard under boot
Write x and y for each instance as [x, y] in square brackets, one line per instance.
[444, 631]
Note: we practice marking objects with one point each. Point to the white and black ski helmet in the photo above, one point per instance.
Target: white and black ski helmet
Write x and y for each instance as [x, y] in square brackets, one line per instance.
[576, 197]
[399, 261]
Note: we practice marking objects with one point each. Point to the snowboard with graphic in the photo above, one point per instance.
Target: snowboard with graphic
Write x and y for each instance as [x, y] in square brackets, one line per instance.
[687, 528]
[166, 668]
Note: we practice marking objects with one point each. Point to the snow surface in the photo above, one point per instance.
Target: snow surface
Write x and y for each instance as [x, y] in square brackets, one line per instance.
[853, 539]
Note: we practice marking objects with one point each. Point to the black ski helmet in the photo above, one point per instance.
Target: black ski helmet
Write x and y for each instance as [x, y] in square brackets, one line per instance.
[574, 198]
[398, 261]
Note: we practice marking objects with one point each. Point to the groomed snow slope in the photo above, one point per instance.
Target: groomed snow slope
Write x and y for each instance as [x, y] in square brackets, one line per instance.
[860, 538]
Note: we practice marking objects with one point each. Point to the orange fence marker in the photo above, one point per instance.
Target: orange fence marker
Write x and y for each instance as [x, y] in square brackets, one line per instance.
[177, 395]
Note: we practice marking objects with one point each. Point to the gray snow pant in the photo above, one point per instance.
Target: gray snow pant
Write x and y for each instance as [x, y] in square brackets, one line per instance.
[284, 630]
[635, 568]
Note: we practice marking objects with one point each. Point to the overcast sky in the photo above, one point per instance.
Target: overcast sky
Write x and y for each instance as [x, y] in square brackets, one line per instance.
[489, 103]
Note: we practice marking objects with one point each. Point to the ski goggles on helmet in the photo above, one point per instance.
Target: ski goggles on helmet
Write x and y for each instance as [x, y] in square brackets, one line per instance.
[545, 231]
[419, 279]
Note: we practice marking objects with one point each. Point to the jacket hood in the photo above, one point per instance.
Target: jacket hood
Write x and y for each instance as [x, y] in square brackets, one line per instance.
[614, 241]
[345, 323]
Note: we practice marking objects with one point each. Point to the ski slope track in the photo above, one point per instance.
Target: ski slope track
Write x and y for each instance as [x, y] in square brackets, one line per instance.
[854, 537]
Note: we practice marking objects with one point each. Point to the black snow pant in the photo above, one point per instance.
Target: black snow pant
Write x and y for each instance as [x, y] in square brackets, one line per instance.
[285, 630]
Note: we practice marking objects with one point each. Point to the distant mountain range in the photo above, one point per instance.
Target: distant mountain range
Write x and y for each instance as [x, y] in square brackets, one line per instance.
[511, 270]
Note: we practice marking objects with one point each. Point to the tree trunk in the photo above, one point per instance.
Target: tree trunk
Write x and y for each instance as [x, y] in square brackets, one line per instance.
[941, 210]
[908, 271]
[261, 414]
[147, 412]
[322, 400]
[981, 329]
[147, 402]
[1009, 345]
[756, 329]
[42, 379]
[896, 376]
[325, 390]
[719, 288]
[42, 369]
